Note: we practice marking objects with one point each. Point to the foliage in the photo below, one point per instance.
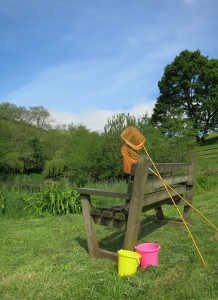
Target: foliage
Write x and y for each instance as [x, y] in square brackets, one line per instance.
[54, 168]
[57, 200]
[37, 115]
[12, 163]
[38, 155]
[112, 159]
[188, 89]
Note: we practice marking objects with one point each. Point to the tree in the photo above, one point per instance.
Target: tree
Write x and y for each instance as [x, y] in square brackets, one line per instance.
[189, 90]
[40, 117]
[38, 155]
[37, 116]
[12, 112]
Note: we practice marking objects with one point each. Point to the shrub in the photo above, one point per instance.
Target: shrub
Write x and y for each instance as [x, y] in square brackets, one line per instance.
[56, 199]
[54, 168]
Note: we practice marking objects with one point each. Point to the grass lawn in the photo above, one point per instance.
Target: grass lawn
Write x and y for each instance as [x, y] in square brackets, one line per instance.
[46, 258]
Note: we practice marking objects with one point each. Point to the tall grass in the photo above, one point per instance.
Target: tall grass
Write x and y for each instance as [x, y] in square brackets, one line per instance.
[63, 198]
[113, 185]
[205, 183]
[11, 204]
[56, 199]
[21, 180]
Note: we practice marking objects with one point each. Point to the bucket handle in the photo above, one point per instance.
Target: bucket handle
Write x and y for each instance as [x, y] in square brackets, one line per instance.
[137, 258]
[138, 261]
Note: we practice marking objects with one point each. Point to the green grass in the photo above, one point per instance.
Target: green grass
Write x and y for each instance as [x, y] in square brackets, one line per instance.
[21, 180]
[46, 258]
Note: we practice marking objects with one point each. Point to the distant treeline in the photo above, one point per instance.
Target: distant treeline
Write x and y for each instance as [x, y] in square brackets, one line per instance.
[29, 144]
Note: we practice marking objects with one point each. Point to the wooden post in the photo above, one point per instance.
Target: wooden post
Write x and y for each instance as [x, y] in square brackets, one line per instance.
[91, 236]
[159, 213]
[190, 187]
[136, 202]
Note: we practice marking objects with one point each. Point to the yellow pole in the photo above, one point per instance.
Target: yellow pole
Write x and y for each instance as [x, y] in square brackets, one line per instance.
[176, 208]
[184, 200]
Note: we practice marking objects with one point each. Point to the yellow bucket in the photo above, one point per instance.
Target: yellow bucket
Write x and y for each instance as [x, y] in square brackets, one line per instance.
[128, 262]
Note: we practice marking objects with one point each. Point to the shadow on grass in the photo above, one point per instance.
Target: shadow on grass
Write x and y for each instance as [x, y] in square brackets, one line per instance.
[114, 238]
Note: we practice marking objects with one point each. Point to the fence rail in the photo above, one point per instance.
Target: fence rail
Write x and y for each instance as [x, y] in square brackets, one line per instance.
[207, 149]
[210, 155]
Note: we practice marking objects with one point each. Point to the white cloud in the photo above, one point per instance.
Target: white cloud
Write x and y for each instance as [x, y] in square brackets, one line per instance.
[87, 85]
[95, 120]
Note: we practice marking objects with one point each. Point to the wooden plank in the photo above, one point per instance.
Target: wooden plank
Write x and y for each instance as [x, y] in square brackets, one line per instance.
[120, 216]
[110, 222]
[161, 195]
[90, 227]
[169, 167]
[159, 203]
[153, 184]
[119, 224]
[109, 255]
[133, 169]
[113, 208]
[105, 193]
[135, 206]
[190, 188]
[130, 187]
[107, 214]
[95, 212]
[164, 167]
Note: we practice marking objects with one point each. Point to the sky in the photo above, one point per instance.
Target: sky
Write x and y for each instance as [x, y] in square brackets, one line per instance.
[88, 60]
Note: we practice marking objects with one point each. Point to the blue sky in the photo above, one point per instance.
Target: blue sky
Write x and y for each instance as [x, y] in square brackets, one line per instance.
[87, 60]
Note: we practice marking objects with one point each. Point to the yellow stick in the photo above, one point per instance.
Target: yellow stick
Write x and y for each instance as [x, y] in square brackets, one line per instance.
[184, 200]
[176, 208]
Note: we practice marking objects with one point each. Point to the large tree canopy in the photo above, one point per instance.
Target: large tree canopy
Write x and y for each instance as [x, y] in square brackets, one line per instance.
[189, 90]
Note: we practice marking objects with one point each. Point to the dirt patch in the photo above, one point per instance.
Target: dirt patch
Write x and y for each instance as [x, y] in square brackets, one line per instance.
[214, 237]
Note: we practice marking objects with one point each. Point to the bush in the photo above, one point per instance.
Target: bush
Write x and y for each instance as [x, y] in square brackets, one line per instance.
[54, 168]
[56, 199]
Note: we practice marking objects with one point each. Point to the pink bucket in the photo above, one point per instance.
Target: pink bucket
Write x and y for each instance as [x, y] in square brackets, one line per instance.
[149, 254]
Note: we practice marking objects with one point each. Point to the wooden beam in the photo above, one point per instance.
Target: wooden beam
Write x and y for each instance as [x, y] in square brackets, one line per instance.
[165, 167]
[105, 193]
[159, 213]
[136, 202]
[190, 187]
[90, 227]
[169, 167]
[162, 195]
[154, 184]
[109, 255]
[159, 203]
